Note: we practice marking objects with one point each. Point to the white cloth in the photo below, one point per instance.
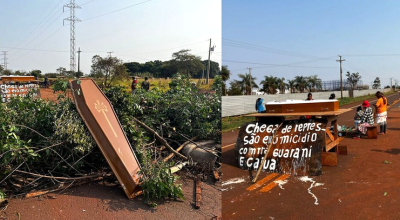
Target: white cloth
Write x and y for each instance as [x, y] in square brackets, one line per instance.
[381, 117]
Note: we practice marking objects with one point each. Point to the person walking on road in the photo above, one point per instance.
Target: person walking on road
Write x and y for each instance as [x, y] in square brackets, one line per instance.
[133, 85]
[381, 112]
[146, 84]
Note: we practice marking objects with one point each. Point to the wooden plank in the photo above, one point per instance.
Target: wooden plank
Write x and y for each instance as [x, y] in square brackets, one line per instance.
[329, 159]
[327, 113]
[328, 132]
[332, 144]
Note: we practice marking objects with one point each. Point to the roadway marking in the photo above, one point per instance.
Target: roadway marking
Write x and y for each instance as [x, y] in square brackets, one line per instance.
[273, 184]
[262, 181]
[228, 145]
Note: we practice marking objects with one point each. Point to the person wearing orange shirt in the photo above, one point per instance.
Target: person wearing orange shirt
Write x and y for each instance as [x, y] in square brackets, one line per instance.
[381, 112]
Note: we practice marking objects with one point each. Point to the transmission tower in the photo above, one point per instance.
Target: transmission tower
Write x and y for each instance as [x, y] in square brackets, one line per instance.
[5, 59]
[72, 19]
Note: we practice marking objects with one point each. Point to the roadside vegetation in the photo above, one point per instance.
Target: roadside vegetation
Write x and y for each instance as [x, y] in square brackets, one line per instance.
[45, 146]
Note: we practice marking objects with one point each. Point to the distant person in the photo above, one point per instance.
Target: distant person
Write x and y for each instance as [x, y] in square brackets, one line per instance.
[367, 120]
[146, 84]
[333, 96]
[46, 82]
[309, 97]
[133, 85]
[381, 112]
[259, 106]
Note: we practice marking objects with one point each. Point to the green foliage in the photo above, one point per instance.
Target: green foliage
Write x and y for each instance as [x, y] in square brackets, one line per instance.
[28, 126]
[60, 85]
[157, 180]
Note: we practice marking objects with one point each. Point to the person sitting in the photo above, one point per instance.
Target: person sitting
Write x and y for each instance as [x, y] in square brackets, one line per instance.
[259, 106]
[367, 120]
[333, 96]
[309, 97]
[357, 117]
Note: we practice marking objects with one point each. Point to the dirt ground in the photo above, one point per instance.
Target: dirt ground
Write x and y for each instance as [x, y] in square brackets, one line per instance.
[364, 185]
[99, 201]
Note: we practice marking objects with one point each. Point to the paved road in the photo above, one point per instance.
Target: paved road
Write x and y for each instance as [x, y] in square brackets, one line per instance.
[361, 186]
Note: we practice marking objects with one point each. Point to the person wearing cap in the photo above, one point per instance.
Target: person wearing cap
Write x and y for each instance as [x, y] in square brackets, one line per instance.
[367, 120]
[381, 112]
[133, 85]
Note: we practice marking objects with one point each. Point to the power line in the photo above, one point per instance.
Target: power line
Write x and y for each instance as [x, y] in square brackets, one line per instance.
[115, 10]
[37, 27]
[264, 49]
[273, 65]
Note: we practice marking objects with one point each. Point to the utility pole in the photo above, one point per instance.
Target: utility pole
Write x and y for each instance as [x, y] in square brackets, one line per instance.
[208, 66]
[391, 83]
[341, 78]
[250, 80]
[110, 53]
[79, 61]
[72, 19]
[5, 59]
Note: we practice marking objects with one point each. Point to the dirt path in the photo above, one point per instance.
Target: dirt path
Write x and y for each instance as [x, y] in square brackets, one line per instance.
[362, 186]
[98, 201]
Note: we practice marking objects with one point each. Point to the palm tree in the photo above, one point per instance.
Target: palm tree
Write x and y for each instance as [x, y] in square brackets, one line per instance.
[281, 85]
[245, 83]
[225, 73]
[301, 83]
[269, 84]
[291, 85]
[314, 82]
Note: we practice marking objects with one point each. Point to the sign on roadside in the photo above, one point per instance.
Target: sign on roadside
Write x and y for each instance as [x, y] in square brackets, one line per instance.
[296, 146]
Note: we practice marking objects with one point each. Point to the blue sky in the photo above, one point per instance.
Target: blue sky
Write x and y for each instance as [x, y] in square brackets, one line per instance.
[152, 30]
[310, 35]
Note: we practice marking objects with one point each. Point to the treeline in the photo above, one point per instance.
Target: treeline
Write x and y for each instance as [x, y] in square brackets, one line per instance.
[163, 69]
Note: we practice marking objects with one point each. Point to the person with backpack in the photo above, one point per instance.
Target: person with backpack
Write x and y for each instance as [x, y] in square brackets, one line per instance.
[133, 85]
[146, 84]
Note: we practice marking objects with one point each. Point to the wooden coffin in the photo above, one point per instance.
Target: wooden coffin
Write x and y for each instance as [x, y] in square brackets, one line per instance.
[102, 122]
[302, 106]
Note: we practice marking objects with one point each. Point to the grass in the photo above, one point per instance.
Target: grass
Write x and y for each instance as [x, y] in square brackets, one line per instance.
[234, 122]
[160, 83]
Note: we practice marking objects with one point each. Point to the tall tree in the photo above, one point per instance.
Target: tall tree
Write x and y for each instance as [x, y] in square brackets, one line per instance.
[186, 63]
[246, 82]
[107, 67]
[291, 85]
[352, 79]
[61, 71]
[226, 74]
[313, 82]
[281, 85]
[269, 84]
[301, 83]
[235, 88]
[377, 83]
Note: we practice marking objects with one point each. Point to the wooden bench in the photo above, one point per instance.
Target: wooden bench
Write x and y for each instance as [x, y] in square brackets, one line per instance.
[372, 132]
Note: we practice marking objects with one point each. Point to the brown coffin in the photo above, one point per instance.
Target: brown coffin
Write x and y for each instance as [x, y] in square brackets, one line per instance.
[302, 106]
[102, 122]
